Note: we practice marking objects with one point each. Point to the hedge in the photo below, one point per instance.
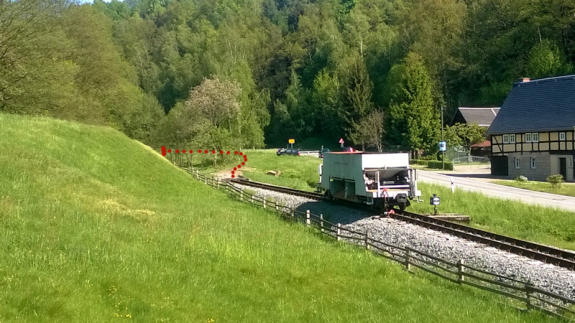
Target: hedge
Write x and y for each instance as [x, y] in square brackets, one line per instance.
[437, 164]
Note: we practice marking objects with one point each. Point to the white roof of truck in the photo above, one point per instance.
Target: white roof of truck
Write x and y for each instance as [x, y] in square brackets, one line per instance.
[376, 160]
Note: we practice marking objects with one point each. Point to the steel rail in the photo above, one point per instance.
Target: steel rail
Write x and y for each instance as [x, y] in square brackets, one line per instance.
[525, 248]
[281, 189]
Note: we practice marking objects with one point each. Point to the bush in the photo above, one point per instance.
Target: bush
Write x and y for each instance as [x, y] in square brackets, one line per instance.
[555, 180]
[436, 164]
[521, 178]
[427, 157]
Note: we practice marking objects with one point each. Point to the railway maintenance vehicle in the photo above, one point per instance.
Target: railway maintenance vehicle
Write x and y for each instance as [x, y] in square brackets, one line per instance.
[382, 180]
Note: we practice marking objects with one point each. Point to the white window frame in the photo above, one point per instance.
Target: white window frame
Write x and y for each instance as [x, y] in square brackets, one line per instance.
[517, 162]
[562, 136]
[532, 163]
[509, 138]
[532, 137]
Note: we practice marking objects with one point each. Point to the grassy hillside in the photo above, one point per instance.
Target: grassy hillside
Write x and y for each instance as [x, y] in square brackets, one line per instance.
[94, 226]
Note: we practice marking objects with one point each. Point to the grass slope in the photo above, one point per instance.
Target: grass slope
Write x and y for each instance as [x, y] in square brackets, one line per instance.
[94, 226]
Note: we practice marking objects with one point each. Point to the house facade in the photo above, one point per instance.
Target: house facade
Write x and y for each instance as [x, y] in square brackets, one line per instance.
[533, 134]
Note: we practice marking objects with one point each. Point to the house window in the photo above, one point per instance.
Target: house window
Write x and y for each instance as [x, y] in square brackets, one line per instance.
[509, 139]
[532, 162]
[516, 161]
[561, 136]
[532, 137]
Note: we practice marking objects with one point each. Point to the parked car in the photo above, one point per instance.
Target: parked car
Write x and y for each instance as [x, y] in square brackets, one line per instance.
[288, 151]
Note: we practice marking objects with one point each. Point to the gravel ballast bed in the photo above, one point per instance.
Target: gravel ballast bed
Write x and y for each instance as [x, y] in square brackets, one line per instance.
[445, 246]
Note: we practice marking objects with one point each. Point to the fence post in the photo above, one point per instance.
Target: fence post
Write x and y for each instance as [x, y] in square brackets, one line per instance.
[241, 194]
[218, 183]
[528, 291]
[321, 222]
[293, 213]
[460, 270]
[276, 206]
[365, 240]
[264, 201]
[338, 231]
[407, 265]
[307, 218]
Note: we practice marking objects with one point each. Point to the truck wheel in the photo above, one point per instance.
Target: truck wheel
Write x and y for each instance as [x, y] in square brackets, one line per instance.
[402, 206]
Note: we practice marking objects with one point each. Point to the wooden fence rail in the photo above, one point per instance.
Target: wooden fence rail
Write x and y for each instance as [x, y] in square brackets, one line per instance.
[459, 272]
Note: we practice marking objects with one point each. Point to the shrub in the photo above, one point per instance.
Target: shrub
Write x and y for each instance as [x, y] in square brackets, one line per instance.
[555, 180]
[521, 178]
[436, 164]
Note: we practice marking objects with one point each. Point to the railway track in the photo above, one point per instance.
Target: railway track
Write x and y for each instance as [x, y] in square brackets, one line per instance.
[281, 189]
[528, 249]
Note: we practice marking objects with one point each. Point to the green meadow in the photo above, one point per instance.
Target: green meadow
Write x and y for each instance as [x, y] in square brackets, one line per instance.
[95, 226]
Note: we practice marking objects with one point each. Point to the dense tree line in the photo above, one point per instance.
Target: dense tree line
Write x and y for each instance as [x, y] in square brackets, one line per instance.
[255, 72]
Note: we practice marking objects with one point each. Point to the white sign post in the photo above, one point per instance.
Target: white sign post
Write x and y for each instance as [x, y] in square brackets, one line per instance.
[442, 148]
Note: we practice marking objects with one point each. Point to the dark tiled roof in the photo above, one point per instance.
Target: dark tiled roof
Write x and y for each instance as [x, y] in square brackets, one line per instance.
[482, 144]
[539, 105]
[483, 116]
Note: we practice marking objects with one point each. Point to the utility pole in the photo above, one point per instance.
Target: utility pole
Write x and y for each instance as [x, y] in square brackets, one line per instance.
[443, 152]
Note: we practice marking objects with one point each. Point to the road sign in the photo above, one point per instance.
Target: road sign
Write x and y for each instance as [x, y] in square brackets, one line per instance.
[291, 141]
[442, 146]
[434, 200]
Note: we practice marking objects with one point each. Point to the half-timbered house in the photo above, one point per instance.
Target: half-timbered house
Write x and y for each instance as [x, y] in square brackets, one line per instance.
[533, 133]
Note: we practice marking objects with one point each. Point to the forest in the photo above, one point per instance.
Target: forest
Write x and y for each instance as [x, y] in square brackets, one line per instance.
[253, 73]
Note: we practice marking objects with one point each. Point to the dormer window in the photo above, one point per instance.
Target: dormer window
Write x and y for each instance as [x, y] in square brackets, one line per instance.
[532, 137]
[509, 138]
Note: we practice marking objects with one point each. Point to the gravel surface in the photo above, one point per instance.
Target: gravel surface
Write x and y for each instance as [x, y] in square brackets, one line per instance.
[445, 246]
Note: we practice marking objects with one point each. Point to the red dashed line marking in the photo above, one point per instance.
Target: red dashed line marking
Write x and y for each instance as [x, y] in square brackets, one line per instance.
[213, 151]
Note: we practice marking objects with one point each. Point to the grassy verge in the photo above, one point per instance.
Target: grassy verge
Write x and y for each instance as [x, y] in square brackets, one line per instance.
[299, 172]
[524, 221]
[96, 227]
[539, 224]
[565, 189]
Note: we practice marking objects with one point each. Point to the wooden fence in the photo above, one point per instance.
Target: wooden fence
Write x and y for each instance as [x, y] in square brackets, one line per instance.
[524, 293]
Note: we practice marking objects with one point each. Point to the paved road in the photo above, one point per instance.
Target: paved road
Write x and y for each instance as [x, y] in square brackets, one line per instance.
[466, 182]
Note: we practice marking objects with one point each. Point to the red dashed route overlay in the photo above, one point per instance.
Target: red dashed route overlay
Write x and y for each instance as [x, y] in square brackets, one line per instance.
[207, 152]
